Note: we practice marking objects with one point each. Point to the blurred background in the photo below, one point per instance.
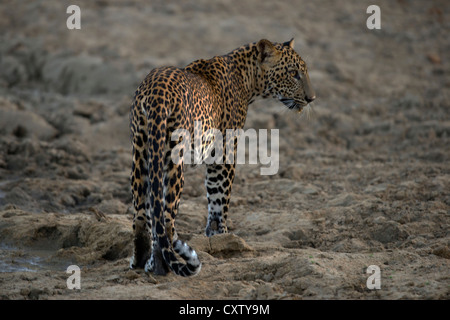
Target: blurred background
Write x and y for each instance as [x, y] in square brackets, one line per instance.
[372, 162]
[382, 94]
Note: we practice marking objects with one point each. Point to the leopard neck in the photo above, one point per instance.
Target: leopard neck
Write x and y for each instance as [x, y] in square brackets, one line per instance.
[245, 60]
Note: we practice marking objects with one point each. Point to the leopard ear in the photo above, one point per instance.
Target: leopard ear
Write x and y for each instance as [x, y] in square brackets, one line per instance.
[267, 53]
[289, 43]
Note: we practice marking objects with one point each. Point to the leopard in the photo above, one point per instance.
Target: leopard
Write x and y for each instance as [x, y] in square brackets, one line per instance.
[206, 94]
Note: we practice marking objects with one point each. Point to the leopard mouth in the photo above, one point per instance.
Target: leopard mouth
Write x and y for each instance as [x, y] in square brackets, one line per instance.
[293, 104]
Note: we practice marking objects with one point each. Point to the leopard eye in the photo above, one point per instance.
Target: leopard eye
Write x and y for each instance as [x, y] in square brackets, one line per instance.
[295, 74]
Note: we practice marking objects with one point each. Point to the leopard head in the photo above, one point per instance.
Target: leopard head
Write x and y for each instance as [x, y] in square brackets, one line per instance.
[284, 74]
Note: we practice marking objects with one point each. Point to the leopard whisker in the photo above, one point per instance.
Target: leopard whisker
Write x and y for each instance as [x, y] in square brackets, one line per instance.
[309, 111]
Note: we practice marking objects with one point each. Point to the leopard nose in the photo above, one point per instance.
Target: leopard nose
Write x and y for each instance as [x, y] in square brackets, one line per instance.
[310, 99]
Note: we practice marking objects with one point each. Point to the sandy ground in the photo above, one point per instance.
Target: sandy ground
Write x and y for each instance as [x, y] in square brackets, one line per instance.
[364, 182]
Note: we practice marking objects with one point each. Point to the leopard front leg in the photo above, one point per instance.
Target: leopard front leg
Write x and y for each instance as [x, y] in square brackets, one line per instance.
[219, 179]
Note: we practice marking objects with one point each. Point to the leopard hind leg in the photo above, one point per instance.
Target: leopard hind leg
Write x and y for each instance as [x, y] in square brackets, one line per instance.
[142, 224]
[141, 221]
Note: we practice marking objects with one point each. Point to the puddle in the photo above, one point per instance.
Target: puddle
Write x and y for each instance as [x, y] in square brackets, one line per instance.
[52, 242]
[14, 259]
